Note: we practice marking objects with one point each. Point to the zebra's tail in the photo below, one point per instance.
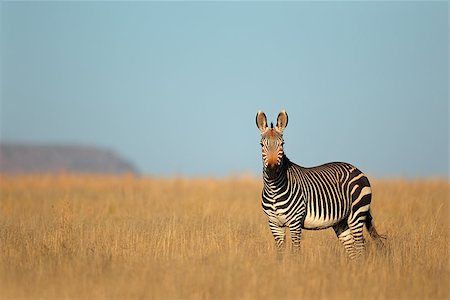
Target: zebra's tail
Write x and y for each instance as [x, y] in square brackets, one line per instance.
[378, 238]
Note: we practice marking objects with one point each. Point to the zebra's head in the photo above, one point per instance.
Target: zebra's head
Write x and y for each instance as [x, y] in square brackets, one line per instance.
[272, 138]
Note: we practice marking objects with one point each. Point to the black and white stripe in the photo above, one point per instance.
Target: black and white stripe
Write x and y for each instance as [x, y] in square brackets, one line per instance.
[336, 195]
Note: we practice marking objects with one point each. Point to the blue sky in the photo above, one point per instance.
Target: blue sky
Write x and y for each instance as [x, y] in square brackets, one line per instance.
[175, 86]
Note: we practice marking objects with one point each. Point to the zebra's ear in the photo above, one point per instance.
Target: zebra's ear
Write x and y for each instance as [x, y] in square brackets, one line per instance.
[282, 121]
[261, 121]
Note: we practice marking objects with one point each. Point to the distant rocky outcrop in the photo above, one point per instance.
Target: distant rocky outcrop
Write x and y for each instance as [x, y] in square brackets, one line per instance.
[25, 159]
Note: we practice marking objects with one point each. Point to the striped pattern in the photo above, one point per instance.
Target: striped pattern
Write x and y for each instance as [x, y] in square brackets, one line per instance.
[336, 195]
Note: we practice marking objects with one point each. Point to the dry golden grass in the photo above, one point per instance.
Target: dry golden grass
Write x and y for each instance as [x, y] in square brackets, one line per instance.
[130, 238]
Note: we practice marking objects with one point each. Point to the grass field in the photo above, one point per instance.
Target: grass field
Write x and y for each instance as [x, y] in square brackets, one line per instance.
[78, 237]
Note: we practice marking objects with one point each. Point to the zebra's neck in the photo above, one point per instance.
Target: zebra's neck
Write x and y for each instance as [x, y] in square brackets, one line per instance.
[276, 174]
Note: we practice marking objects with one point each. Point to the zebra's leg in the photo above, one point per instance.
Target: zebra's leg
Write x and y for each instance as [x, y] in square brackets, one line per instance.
[345, 237]
[361, 196]
[356, 228]
[296, 235]
[279, 234]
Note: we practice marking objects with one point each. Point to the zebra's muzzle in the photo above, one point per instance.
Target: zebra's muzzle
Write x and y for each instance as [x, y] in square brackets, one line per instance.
[272, 160]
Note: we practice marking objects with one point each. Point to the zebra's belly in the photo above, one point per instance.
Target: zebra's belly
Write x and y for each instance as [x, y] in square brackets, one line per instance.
[314, 222]
[322, 213]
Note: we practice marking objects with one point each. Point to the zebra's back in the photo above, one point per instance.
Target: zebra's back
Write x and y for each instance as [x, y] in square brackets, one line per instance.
[330, 191]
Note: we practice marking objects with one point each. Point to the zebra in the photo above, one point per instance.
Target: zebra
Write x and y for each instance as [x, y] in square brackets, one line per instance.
[336, 195]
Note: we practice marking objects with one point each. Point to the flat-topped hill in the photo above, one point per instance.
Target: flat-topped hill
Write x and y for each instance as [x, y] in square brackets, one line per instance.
[25, 158]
